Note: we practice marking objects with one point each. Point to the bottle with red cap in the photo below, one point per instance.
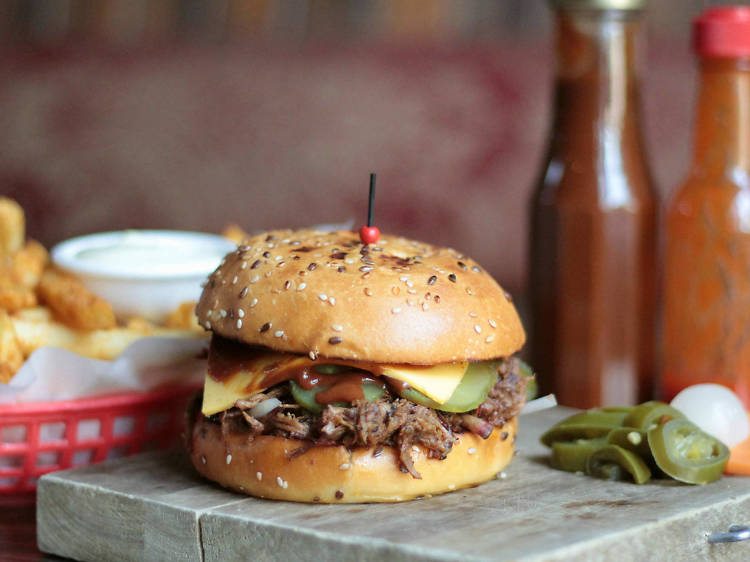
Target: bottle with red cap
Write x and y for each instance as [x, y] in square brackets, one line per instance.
[706, 317]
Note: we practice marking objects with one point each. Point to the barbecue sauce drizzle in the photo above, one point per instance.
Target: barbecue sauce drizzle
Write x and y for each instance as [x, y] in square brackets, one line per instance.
[227, 357]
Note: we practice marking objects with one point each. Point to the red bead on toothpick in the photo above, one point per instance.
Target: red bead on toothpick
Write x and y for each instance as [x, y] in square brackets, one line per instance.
[370, 234]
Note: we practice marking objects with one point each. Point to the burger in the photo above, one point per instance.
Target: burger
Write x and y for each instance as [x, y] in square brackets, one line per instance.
[345, 372]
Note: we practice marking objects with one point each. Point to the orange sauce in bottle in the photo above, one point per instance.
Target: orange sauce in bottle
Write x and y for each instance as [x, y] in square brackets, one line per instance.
[706, 317]
[593, 265]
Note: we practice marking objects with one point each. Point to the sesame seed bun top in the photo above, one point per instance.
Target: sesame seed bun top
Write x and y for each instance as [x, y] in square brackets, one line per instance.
[326, 294]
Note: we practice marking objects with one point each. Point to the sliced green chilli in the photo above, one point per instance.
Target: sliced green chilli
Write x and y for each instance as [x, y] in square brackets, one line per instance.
[532, 388]
[645, 415]
[612, 462]
[686, 453]
[584, 425]
[571, 456]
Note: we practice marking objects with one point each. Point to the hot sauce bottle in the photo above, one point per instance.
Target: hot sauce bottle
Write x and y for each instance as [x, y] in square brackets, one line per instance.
[706, 322]
[593, 217]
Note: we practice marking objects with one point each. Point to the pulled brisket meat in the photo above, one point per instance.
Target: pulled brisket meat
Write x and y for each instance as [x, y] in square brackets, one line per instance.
[390, 420]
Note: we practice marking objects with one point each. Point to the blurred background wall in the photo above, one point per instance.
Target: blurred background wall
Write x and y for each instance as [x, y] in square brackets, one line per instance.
[267, 113]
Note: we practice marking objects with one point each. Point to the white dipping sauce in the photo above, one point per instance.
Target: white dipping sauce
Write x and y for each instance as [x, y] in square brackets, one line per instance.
[143, 272]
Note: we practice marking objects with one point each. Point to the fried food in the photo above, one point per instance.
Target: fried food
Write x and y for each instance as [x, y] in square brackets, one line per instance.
[183, 318]
[11, 357]
[15, 297]
[12, 226]
[98, 344]
[27, 264]
[235, 233]
[73, 304]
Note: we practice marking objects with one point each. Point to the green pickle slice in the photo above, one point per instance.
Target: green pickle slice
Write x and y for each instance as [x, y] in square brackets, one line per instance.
[631, 439]
[476, 383]
[532, 388]
[306, 398]
[686, 453]
[612, 462]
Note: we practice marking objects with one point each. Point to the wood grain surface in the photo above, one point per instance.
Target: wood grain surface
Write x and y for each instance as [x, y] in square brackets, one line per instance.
[153, 507]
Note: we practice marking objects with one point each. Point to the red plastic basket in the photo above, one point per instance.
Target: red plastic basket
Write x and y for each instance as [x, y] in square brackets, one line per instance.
[43, 437]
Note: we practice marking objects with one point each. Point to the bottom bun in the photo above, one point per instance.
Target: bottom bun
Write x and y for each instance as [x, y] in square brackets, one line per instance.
[268, 467]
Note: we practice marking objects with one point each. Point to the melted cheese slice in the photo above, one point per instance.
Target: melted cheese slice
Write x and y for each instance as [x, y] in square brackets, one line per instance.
[437, 382]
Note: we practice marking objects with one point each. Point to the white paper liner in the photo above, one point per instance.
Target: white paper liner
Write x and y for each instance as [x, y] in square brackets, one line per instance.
[51, 373]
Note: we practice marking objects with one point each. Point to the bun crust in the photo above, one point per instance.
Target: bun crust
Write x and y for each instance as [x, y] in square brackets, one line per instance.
[397, 301]
[264, 468]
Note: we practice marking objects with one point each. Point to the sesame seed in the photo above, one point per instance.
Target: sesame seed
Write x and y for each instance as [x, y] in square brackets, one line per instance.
[239, 323]
[425, 306]
[243, 292]
[266, 254]
[403, 278]
[432, 279]
[477, 328]
[452, 277]
[323, 297]
[332, 301]
[278, 258]
[451, 486]
[244, 265]
[415, 448]
[409, 283]
[349, 261]
[344, 466]
[395, 290]
[287, 284]
[312, 266]
[365, 268]
[279, 481]
[341, 269]
[240, 313]
[254, 279]
[475, 269]
[337, 327]
[265, 327]
[368, 291]
[339, 494]
[207, 324]
[489, 339]
[471, 450]
[223, 313]
[395, 310]
[335, 340]
[462, 265]
[253, 303]
[492, 323]
[234, 280]
[312, 355]
[203, 459]
[469, 291]
[256, 263]
[285, 485]
[229, 459]
[278, 333]
[473, 314]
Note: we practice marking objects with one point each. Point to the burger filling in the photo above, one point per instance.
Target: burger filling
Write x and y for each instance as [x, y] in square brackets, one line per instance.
[356, 404]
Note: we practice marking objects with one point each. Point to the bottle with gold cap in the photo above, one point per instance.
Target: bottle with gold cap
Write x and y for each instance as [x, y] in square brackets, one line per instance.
[593, 217]
[706, 324]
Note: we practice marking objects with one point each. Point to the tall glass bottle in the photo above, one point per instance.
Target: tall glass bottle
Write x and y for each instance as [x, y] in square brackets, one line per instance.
[593, 217]
[706, 334]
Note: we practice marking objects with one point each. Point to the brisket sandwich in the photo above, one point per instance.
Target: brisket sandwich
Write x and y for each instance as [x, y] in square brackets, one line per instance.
[346, 372]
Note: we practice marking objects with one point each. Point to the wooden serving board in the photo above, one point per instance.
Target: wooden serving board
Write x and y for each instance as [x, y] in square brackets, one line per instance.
[153, 507]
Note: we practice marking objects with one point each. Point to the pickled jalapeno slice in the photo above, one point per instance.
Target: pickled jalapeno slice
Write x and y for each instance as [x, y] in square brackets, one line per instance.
[631, 439]
[584, 425]
[651, 413]
[612, 462]
[571, 456]
[532, 388]
[686, 453]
